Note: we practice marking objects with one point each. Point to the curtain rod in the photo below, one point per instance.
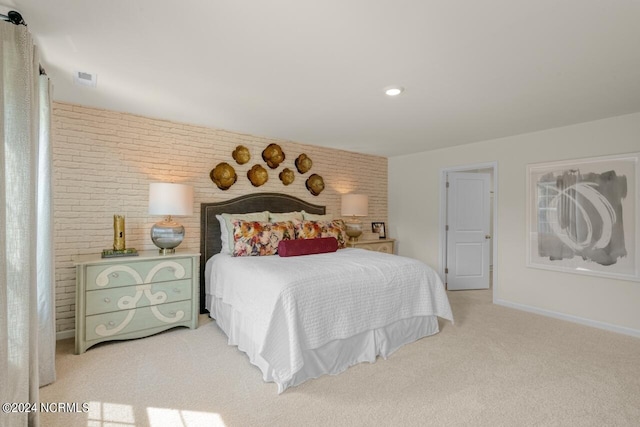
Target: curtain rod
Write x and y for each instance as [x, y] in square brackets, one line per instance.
[13, 17]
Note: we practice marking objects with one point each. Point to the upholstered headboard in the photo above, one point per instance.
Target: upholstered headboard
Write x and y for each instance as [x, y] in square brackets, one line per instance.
[210, 243]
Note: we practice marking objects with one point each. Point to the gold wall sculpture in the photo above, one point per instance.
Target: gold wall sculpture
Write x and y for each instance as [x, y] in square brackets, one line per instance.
[303, 163]
[315, 184]
[273, 155]
[287, 176]
[257, 175]
[223, 175]
[241, 155]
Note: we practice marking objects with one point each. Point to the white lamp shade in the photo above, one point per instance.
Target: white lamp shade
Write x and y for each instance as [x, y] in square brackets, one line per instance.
[355, 205]
[170, 199]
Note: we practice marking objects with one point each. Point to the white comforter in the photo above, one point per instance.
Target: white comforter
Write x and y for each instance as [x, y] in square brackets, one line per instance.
[304, 302]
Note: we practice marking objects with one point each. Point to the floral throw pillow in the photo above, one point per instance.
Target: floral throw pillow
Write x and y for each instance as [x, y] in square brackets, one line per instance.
[256, 238]
[315, 229]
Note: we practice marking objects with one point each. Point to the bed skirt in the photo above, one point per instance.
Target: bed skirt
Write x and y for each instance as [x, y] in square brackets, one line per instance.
[333, 357]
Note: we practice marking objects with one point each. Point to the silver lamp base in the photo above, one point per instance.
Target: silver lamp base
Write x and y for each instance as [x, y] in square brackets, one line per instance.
[167, 235]
[353, 229]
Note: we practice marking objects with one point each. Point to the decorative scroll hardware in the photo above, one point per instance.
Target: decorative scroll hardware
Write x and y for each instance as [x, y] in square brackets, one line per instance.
[128, 302]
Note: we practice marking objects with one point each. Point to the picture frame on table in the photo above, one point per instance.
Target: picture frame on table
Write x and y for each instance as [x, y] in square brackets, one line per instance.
[379, 229]
[583, 216]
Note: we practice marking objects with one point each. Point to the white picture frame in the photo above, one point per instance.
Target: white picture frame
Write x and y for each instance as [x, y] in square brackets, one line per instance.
[583, 216]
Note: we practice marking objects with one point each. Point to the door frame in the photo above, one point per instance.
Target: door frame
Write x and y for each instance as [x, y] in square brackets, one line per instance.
[443, 217]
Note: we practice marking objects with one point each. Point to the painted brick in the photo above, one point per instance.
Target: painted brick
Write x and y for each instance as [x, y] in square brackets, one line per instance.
[104, 161]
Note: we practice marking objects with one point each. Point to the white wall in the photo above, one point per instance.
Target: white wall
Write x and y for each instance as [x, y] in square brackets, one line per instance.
[414, 208]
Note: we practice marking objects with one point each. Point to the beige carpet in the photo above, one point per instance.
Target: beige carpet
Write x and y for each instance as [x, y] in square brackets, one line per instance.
[496, 366]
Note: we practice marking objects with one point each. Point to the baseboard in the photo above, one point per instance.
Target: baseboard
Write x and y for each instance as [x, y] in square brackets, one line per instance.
[63, 335]
[570, 318]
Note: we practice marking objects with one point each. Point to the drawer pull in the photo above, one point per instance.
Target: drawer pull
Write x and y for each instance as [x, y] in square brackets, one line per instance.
[107, 300]
[111, 323]
[172, 312]
[114, 275]
[177, 290]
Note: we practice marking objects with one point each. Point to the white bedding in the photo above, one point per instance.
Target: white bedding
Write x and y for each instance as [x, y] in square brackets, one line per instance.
[277, 309]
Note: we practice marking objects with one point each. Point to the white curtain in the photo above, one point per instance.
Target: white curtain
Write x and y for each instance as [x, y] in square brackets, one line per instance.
[45, 253]
[27, 301]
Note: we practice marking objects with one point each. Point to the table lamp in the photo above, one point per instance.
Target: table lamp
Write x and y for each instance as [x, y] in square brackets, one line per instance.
[353, 206]
[169, 199]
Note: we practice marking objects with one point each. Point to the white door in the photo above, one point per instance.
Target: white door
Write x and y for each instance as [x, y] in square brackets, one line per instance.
[468, 239]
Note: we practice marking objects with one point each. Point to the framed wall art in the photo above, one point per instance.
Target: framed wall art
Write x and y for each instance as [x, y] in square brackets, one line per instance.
[583, 216]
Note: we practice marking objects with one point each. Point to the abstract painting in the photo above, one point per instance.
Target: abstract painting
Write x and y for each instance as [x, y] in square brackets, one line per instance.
[583, 216]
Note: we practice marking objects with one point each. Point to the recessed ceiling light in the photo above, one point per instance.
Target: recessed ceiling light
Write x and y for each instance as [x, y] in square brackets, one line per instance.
[394, 90]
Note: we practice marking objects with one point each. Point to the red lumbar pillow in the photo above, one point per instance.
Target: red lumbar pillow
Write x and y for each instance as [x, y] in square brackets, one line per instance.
[297, 247]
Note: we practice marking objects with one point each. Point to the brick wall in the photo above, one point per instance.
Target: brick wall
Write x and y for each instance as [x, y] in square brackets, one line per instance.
[105, 160]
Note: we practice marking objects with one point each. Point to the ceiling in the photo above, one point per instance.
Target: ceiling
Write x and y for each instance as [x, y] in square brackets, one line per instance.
[314, 71]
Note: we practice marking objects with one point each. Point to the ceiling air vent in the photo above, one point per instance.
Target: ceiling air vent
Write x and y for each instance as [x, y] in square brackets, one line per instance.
[85, 79]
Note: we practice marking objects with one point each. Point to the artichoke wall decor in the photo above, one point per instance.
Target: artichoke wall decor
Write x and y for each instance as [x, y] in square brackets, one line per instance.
[303, 163]
[287, 176]
[257, 175]
[223, 175]
[315, 184]
[241, 155]
[273, 155]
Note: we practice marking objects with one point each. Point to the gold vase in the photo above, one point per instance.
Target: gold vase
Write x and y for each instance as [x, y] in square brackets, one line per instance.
[118, 233]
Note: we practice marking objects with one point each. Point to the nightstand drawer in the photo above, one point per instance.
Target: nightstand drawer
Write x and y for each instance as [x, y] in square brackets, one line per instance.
[383, 245]
[107, 300]
[126, 321]
[137, 273]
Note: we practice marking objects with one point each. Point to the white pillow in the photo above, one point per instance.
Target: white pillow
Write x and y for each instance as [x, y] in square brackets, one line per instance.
[224, 235]
[228, 227]
[314, 217]
[283, 217]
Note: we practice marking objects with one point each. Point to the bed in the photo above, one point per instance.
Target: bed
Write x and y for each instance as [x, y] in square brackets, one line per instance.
[301, 317]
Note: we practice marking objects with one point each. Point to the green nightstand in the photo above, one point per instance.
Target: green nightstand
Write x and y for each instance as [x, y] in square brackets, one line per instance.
[132, 297]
